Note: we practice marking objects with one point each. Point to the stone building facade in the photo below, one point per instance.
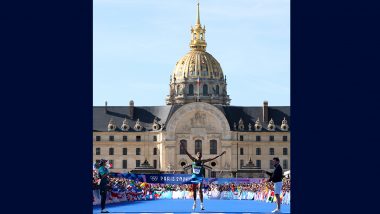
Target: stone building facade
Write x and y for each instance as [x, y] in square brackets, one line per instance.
[198, 113]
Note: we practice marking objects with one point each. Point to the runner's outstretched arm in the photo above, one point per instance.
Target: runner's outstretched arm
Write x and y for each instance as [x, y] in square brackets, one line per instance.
[188, 154]
[207, 160]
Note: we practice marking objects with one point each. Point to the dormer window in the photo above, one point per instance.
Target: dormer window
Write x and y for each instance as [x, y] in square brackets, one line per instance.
[138, 126]
[271, 126]
[111, 125]
[284, 125]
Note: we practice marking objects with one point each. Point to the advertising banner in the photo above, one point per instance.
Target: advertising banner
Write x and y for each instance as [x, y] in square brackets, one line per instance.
[182, 179]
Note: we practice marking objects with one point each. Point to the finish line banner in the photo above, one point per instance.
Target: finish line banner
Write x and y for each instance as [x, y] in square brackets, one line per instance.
[182, 179]
[168, 178]
[156, 178]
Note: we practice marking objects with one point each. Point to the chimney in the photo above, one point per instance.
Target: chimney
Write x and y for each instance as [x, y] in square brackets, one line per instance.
[131, 109]
[265, 111]
[105, 109]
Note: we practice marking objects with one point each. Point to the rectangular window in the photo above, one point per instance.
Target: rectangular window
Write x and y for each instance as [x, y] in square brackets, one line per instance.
[125, 164]
[285, 151]
[271, 138]
[241, 163]
[198, 146]
[285, 164]
[97, 151]
[155, 164]
[137, 163]
[138, 138]
[111, 151]
[155, 138]
[271, 151]
[183, 149]
[241, 151]
[125, 138]
[98, 138]
[154, 151]
[258, 138]
[284, 138]
[213, 147]
[258, 151]
[111, 138]
[111, 163]
[125, 151]
[213, 174]
[191, 89]
[271, 164]
[258, 163]
[138, 151]
[241, 138]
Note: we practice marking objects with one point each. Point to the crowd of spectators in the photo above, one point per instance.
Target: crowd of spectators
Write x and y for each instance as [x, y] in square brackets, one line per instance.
[128, 189]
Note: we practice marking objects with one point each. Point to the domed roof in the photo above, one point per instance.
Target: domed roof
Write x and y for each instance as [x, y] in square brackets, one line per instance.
[197, 76]
[197, 63]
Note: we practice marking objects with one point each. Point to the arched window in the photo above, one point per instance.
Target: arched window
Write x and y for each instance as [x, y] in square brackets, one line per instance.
[183, 151]
[191, 89]
[217, 89]
[213, 147]
[198, 146]
[205, 90]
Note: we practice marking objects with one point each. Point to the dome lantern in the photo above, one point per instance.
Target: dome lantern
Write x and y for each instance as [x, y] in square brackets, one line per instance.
[198, 39]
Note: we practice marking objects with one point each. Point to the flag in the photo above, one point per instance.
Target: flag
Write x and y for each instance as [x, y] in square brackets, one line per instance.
[270, 196]
[114, 195]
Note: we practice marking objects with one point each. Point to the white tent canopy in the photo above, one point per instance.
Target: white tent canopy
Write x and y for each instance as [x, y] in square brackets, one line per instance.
[287, 173]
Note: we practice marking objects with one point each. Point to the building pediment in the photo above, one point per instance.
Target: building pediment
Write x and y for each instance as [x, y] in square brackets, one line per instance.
[197, 119]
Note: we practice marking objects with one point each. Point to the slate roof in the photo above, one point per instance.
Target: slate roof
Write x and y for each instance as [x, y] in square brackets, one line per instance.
[146, 114]
[250, 115]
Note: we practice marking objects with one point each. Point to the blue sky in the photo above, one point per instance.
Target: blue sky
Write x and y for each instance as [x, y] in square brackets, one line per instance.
[138, 42]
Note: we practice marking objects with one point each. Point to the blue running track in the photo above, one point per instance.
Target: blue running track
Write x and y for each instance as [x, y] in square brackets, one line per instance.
[184, 207]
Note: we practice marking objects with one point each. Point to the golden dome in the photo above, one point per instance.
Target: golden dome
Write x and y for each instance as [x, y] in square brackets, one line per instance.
[197, 76]
[197, 64]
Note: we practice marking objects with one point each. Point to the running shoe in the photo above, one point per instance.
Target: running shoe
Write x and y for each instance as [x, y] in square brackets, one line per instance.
[194, 205]
[202, 207]
[104, 211]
